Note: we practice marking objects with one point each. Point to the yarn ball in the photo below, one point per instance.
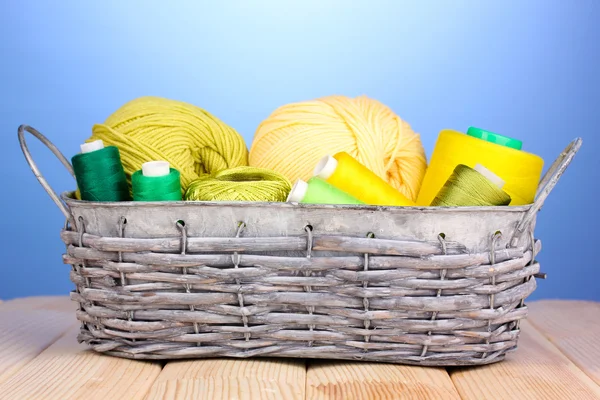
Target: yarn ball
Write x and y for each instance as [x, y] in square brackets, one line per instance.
[296, 136]
[240, 184]
[192, 140]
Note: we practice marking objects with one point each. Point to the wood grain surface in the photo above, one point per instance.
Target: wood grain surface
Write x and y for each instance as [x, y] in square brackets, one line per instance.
[573, 327]
[361, 380]
[66, 370]
[231, 379]
[557, 358]
[54, 303]
[25, 334]
[537, 370]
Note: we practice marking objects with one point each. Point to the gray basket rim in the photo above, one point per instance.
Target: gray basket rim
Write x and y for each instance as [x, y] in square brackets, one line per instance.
[68, 197]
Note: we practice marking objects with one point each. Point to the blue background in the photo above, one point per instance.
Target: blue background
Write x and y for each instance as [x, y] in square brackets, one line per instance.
[526, 69]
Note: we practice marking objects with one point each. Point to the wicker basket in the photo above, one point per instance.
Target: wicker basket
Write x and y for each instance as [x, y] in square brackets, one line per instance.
[426, 286]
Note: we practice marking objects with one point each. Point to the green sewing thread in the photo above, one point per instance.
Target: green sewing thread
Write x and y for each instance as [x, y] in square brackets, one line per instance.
[467, 187]
[318, 191]
[156, 188]
[100, 175]
[240, 184]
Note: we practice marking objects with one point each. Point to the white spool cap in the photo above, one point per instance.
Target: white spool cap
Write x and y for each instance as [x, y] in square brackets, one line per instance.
[92, 146]
[155, 168]
[495, 179]
[298, 191]
[326, 167]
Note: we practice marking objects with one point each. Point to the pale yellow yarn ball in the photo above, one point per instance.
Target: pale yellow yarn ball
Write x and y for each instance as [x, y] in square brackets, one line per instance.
[296, 136]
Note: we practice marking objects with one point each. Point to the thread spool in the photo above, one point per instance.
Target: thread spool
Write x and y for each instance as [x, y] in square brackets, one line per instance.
[240, 184]
[317, 191]
[156, 181]
[472, 187]
[347, 174]
[99, 173]
[521, 171]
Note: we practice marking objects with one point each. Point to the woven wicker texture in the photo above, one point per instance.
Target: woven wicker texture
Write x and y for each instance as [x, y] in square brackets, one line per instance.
[399, 301]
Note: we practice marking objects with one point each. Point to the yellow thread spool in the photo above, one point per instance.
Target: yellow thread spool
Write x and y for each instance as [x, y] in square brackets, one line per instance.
[521, 171]
[347, 174]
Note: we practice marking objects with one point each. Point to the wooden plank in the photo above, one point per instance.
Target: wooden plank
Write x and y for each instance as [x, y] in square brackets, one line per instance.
[231, 379]
[362, 380]
[573, 327]
[25, 334]
[66, 370]
[536, 370]
[54, 303]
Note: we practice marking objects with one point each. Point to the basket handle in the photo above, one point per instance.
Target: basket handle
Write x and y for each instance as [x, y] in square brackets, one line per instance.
[62, 206]
[549, 180]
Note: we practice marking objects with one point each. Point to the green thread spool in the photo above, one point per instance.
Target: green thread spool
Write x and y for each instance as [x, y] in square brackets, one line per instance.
[472, 187]
[99, 173]
[240, 184]
[156, 181]
[318, 191]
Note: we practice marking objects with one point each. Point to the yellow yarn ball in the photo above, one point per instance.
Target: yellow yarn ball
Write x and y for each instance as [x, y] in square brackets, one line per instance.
[296, 136]
[192, 140]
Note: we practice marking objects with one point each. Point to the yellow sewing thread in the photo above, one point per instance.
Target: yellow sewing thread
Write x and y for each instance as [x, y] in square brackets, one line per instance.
[468, 187]
[193, 141]
[240, 184]
[520, 170]
[350, 176]
[296, 136]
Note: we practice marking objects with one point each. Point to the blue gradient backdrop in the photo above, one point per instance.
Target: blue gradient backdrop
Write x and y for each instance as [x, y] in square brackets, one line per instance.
[527, 69]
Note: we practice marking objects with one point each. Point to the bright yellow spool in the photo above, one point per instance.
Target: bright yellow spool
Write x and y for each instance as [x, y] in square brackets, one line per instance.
[191, 139]
[521, 171]
[296, 136]
[357, 180]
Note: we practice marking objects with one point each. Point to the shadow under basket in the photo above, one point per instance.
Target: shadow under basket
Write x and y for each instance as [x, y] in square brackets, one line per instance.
[412, 285]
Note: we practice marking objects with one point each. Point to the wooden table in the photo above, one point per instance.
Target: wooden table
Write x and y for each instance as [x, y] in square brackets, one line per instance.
[558, 358]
